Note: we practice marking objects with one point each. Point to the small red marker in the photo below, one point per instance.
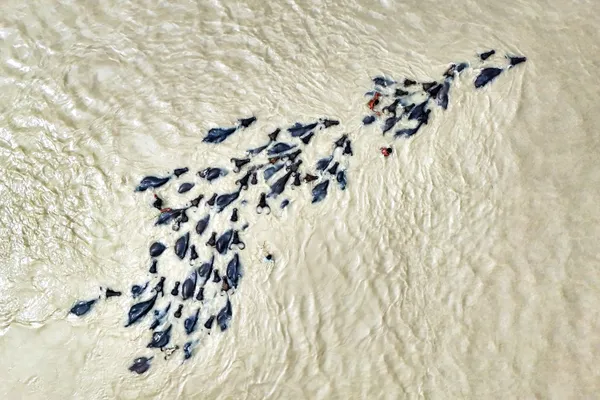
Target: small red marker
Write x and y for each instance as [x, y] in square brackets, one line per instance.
[386, 151]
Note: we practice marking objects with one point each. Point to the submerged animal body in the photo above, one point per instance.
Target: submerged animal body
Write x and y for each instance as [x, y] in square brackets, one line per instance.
[152, 182]
[404, 106]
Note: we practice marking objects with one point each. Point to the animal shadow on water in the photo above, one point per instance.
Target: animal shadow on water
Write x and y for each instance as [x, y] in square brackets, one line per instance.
[205, 292]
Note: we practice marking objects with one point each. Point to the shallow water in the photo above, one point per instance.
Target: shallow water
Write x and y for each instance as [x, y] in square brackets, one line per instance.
[465, 265]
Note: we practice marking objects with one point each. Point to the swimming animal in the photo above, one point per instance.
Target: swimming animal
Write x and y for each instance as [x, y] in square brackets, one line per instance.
[151, 182]
[82, 307]
[180, 171]
[280, 148]
[185, 187]
[300, 130]
[202, 224]
[487, 54]
[112, 293]
[246, 122]
[175, 291]
[140, 365]
[223, 242]
[341, 179]
[169, 215]
[272, 170]
[224, 316]
[137, 290]
[212, 173]
[190, 323]
[226, 199]
[189, 286]
[262, 204]
[320, 191]
[234, 270]
[161, 339]
[212, 241]
[139, 310]
[181, 246]
[156, 249]
[486, 76]
[218, 135]
[177, 313]
[239, 163]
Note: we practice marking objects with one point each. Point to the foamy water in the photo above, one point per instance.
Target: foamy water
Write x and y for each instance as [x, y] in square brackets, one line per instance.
[462, 266]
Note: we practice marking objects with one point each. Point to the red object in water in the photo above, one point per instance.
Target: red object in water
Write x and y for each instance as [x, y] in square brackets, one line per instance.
[386, 151]
[162, 210]
[374, 101]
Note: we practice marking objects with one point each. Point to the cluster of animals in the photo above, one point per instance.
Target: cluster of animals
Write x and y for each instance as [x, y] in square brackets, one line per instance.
[406, 106]
[203, 295]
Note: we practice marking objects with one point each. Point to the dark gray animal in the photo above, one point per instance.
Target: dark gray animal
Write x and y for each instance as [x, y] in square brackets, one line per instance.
[205, 270]
[442, 96]
[161, 339]
[323, 163]
[181, 245]
[235, 241]
[226, 199]
[486, 76]
[223, 242]
[279, 148]
[218, 135]
[140, 365]
[408, 131]
[139, 310]
[234, 271]
[487, 54]
[300, 130]
[279, 186]
[262, 204]
[175, 291]
[246, 122]
[156, 249]
[210, 173]
[328, 123]
[169, 215]
[137, 290]
[189, 286]
[224, 316]
[185, 187]
[209, 322]
[257, 150]
[190, 322]
[272, 170]
[82, 307]
[202, 224]
[180, 171]
[382, 81]
[112, 293]
[319, 192]
[341, 179]
[177, 313]
[151, 182]
[368, 120]
[193, 253]
[333, 169]
[239, 163]
[516, 60]
[420, 112]
[306, 139]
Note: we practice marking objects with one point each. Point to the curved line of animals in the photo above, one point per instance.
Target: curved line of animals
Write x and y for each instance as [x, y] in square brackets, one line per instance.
[205, 291]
